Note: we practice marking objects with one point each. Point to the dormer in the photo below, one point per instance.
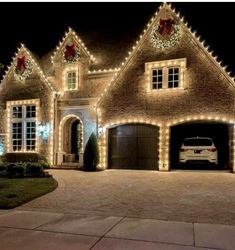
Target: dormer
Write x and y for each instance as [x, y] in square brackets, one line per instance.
[71, 61]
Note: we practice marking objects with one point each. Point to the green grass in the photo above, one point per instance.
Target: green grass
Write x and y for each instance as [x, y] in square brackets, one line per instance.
[14, 192]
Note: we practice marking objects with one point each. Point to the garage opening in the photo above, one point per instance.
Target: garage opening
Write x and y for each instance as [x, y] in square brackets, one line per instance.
[220, 134]
[134, 146]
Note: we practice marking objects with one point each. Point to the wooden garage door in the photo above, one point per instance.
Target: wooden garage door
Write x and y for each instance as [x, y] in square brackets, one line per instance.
[133, 146]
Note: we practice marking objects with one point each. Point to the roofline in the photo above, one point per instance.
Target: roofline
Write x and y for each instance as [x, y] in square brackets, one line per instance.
[22, 46]
[141, 39]
[80, 42]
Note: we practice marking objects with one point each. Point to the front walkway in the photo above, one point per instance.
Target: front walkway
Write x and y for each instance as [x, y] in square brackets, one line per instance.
[199, 197]
[27, 230]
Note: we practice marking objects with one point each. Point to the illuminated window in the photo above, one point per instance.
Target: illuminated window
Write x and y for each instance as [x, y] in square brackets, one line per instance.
[23, 128]
[157, 78]
[173, 77]
[71, 80]
[167, 74]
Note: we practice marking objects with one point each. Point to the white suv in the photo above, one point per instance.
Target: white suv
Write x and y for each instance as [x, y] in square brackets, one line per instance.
[198, 149]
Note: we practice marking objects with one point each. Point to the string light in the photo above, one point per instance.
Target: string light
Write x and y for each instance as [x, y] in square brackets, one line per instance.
[143, 36]
[10, 104]
[61, 126]
[72, 33]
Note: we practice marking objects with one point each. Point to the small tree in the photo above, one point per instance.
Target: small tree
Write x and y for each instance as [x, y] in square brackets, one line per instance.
[91, 154]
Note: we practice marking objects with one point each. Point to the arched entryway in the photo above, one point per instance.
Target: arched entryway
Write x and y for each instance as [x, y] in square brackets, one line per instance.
[71, 138]
[133, 146]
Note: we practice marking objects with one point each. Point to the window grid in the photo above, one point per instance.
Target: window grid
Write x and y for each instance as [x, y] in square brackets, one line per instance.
[71, 79]
[173, 77]
[23, 124]
[17, 112]
[16, 136]
[30, 111]
[30, 136]
[157, 78]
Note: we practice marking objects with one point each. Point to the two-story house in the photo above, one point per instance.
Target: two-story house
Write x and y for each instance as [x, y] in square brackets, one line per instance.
[167, 88]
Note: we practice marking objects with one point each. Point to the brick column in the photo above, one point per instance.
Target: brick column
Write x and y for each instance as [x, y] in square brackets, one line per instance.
[164, 148]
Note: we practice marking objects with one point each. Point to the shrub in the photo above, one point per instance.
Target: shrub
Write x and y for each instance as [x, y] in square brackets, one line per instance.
[45, 165]
[21, 157]
[3, 170]
[91, 154]
[16, 170]
[34, 169]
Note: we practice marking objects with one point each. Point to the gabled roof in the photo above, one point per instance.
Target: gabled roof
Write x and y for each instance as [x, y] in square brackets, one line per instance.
[71, 33]
[35, 63]
[146, 32]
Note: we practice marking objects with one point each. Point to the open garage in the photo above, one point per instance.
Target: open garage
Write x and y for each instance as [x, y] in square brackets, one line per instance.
[134, 146]
[220, 133]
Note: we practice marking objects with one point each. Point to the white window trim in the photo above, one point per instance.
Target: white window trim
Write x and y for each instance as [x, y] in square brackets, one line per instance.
[67, 69]
[10, 120]
[150, 66]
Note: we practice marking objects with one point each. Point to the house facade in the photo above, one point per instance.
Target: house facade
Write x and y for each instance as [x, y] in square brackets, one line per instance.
[167, 88]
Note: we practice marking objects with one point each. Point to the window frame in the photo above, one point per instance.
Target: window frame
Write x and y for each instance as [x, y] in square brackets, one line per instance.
[166, 66]
[67, 70]
[24, 120]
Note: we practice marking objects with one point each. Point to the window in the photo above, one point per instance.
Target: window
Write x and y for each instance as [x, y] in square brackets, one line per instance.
[173, 77]
[166, 74]
[157, 78]
[71, 80]
[17, 136]
[23, 128]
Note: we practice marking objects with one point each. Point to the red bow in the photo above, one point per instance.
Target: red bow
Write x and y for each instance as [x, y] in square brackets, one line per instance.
[165, 26]
[21, 63]
[70, 51]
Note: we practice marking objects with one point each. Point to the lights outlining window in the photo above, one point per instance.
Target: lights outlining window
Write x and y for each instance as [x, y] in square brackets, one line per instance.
[166, 75]
[71, 78]
[22, 125]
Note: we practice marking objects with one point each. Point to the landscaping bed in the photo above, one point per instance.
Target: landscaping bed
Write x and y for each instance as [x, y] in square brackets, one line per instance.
[14, 192]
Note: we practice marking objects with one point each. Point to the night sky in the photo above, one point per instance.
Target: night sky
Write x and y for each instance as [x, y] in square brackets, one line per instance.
[41, 25]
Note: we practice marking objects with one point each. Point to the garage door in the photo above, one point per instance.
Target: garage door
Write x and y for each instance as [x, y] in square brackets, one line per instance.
[133, 146]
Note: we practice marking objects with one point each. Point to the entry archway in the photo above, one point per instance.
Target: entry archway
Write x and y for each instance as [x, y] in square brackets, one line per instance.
[71, 137]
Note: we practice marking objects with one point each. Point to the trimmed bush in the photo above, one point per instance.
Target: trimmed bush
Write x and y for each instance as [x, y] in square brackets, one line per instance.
[34, 169]
[91, 154]
[3, 170]
[21, 157]
[45, 165]
[16, 170]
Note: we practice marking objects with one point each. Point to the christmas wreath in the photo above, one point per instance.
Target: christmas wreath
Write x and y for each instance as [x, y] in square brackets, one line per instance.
[165, 34]
[71, 53]
[22, 69]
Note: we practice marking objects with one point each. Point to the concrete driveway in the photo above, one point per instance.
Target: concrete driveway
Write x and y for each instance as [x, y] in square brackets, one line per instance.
[204, 197]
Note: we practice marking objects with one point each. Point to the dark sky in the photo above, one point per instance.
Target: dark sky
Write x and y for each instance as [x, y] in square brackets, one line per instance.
[41, 25]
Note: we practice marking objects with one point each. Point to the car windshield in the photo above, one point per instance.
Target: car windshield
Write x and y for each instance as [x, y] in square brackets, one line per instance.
[198, 142]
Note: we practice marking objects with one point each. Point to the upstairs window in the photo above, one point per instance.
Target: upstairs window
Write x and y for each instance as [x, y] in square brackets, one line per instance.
[173, 77]
[71, 79]
[166, 74]
[157, 78]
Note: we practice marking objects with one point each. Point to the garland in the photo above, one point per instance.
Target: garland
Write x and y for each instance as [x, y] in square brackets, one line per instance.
[162, 42]
[22, 69]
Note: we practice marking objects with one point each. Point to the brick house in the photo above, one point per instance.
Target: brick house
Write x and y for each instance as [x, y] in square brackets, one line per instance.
[168, 84]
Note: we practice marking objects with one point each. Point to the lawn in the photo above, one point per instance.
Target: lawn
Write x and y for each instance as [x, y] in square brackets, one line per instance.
[14, 192]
